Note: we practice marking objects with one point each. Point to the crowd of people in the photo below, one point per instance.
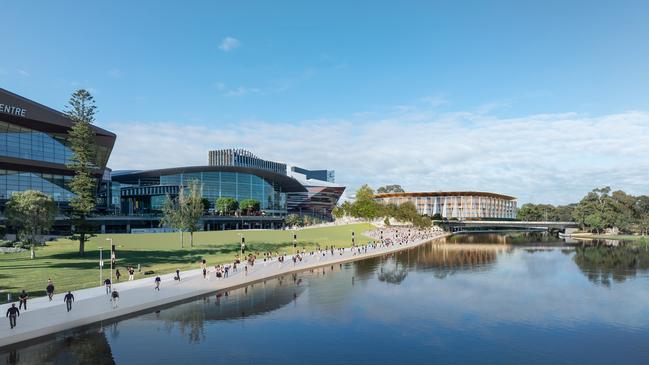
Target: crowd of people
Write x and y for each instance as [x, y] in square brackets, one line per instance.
[381, 238]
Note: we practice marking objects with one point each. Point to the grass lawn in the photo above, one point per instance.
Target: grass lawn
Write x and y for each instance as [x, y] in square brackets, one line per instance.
[635, 239]
[159, 252]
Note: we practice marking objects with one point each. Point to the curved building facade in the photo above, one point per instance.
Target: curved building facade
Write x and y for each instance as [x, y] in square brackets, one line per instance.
[34, 149]
[144, 192]
[458, 204]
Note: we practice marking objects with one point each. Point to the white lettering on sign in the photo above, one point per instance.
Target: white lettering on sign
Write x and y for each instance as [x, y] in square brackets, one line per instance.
[13, 110]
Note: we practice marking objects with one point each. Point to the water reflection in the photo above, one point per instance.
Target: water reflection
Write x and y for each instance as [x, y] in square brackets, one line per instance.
[253, 300]
[604, 264]
[498, 302]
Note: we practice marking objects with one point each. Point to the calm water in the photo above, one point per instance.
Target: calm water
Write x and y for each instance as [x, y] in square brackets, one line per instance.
[483, 298]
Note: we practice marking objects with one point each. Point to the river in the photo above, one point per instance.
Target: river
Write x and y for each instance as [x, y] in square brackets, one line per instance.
[488, 298]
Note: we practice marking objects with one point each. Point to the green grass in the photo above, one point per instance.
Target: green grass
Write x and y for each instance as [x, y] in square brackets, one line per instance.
[159, 252]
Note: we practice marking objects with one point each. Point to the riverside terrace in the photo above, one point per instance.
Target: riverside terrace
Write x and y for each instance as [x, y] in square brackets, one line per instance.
[46, 317]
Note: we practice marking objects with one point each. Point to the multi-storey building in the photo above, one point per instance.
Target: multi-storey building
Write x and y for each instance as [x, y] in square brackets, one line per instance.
[458, 204]
[34, 149]
[243, 158]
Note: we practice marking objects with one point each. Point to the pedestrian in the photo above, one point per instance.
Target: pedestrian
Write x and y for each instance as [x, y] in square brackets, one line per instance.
[204, 273]
[50, 289]
[107, 283]
[118, 274]
[157, 283]
[23, 300]
[114, 298]
[131, 273]
[68, 299]
[178, 275]
[12, 313]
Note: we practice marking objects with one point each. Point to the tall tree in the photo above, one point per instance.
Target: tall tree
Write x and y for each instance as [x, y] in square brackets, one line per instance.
[81, 110]
[365, 206]
[32, 213]
[192, 209]
[172, 216]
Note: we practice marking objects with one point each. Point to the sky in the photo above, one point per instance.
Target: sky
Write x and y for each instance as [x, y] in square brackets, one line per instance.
[541, 100]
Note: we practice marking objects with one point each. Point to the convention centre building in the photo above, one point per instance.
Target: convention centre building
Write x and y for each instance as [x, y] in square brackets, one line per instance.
[34, 153]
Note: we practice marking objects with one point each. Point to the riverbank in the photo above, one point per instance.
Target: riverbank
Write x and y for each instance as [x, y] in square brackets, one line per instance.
[92, 305]
[157, 252]
[641, 240]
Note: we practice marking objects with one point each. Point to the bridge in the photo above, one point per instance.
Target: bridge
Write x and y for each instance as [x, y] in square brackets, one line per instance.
[546, 226]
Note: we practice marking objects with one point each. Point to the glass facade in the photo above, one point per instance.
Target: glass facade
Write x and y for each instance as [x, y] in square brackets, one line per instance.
[236, 185]
[16, 181]
[20, 142]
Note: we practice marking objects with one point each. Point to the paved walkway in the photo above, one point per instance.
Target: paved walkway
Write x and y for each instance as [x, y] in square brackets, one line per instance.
[93, 305]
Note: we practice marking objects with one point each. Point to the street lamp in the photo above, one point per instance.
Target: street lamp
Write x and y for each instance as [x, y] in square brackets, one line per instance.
[294, 242]
[112, 259]
[353, 239]
[101, 266]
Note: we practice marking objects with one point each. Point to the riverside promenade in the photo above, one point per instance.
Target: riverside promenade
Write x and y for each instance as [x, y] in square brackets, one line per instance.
[44, 317]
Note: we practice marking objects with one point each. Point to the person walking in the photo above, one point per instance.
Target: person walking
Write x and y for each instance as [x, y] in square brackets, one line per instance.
[107, 283]
[117, 274]
[204, 273]
[50, 289]
[68, 299]
[12, 313]
[131, 273]
[23, 300]
[157, 283]
[114, 298]
[178, 275]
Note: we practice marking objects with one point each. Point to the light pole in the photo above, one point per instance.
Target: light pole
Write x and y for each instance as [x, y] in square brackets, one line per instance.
[294, 242]
[242, 246]
[353, 239]
[101, 266]
[112, 259]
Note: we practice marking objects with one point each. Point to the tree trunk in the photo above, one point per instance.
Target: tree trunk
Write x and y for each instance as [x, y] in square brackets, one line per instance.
[82, 244]
[181, 239]
[32, 253]
[191, 238]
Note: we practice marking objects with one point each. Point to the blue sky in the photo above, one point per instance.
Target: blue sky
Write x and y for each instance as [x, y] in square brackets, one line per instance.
[554, 94]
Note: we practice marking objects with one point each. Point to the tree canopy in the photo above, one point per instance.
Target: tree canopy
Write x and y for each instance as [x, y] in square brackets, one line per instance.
[32, 213]
[227, 205]
[390, 189]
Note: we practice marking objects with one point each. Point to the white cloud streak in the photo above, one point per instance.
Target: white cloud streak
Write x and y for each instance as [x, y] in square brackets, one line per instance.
[228, 44]
[553, 158]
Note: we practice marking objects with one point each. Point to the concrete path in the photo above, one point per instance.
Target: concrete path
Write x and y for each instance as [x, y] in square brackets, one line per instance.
[44, 317]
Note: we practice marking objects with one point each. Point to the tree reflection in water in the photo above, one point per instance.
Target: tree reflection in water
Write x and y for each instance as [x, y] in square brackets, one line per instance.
[603, 264]
[85, 347]
[267, 296]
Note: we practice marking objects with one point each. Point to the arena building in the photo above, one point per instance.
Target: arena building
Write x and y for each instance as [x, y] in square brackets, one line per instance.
[457, 204]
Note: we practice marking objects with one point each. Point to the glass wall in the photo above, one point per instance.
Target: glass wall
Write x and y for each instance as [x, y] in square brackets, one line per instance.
[21, 142]
[236, 185]
[50, 184]
[25, 143]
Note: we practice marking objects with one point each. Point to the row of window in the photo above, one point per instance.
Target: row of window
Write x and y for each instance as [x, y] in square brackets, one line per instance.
[237, 185]
[20, 142]
[16, 181]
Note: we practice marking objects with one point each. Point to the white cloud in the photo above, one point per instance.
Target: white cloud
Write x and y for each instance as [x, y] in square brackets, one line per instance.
[228, 44]
[553, 158]
[24, 73]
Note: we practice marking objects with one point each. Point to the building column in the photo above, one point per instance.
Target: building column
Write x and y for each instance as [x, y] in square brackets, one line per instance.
[103, 228]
